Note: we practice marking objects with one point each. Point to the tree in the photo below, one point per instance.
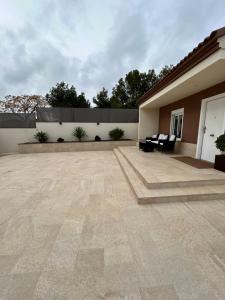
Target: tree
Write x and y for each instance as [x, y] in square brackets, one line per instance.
[135, 84]
[119, 94]
[128, 90]
[64, 96]
[82, 101]
[150, 78]
[164, 71]
[102, 99]
[26, 104]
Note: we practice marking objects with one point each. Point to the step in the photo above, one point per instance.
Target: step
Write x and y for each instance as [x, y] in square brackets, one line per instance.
[195, 179]
[172, 194]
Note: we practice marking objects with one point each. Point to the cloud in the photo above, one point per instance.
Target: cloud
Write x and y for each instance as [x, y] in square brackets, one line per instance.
[33, 66]
[92, 44]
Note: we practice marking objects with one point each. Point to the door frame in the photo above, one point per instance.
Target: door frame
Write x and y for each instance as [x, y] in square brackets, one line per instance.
[202, 122]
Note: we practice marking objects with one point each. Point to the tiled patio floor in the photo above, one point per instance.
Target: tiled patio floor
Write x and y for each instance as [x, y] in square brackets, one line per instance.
[70, 228]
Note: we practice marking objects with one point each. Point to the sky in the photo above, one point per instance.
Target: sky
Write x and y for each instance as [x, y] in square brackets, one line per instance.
[93, 43]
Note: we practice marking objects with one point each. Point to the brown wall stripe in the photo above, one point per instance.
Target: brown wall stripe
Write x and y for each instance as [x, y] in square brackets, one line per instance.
[192, 107]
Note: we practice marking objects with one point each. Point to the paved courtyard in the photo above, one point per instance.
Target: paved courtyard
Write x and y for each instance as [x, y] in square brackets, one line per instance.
[70, 228]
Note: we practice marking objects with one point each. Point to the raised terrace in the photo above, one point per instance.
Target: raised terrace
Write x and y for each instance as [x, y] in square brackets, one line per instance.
[156, 177]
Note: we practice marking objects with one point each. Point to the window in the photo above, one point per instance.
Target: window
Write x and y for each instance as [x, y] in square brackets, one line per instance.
[176, 124]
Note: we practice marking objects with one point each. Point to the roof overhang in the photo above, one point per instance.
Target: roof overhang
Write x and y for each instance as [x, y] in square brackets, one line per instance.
[208, 73]
[202, 68]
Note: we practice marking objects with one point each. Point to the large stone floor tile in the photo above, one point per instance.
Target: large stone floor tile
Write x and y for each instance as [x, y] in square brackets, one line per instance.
[55, 285]
[70, 228]
[120, 277]
[130, 294]
[20, 286]
[162, 292]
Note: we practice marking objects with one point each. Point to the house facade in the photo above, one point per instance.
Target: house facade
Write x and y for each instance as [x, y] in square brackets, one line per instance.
[190, 100]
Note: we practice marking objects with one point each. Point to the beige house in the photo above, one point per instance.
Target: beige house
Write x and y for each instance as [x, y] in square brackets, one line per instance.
[190, 100]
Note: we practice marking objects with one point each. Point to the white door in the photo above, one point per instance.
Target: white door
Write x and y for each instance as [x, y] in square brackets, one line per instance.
[214, 126]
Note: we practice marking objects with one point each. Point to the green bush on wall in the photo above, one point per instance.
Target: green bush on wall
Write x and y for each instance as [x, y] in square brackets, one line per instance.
[116, 134]
[79, 133]
[220, 142]
[41, 136]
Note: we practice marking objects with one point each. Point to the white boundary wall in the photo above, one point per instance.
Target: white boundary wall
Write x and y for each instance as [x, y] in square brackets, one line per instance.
[55, 130]
[10, 137]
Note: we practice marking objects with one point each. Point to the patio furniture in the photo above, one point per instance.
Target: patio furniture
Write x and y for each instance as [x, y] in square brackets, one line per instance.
[162, 142]
[154, 137]
[167, 144]
[161, 139]
[146, 145]
[141, 144]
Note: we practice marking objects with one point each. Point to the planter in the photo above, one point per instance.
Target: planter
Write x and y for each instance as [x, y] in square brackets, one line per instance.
[73, 146]
[220, 162]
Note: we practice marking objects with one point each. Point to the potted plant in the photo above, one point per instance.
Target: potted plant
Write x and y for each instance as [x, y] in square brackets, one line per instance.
[220, 159]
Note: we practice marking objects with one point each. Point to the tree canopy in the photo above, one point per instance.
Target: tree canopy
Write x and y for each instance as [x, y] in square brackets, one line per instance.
[26, 104]
[124, 94]
[64, 96]
[102, 99]
[164, 71]
[129, 89]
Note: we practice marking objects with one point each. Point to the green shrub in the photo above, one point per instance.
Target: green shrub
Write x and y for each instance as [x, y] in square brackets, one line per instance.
[79, 133]
[116, 134]
[41, 136]
[220, 142]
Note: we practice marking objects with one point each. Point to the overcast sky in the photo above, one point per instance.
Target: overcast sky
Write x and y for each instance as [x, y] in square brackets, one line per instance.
[92, 43]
